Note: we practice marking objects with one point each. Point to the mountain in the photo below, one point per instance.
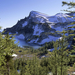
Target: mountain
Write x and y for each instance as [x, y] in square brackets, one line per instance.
[40, 28]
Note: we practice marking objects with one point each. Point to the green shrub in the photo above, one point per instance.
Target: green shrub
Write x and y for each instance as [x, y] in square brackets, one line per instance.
[37, 36]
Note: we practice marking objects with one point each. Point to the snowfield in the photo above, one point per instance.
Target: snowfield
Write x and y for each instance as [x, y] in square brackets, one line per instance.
[37, 31]
[57, 28]
[35, 13]
[60, 18]
[50, 38]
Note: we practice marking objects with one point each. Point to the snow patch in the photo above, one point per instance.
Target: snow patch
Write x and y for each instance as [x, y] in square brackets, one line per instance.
[61, 14]
[73, 72]
[35, 13]
[60, 38]
[50, 38]
[14, 55]
[37, 30]
[57, 28]
[39, 17]
[60, 17]
[24, 24]
[50, 49]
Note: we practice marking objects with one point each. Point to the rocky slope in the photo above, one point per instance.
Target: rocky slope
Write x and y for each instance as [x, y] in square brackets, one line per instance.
[40, 28]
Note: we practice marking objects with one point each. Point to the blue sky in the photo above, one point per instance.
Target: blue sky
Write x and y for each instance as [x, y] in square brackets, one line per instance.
[13, 10]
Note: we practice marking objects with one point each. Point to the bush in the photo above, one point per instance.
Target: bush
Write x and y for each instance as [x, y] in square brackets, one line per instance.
[37, 36]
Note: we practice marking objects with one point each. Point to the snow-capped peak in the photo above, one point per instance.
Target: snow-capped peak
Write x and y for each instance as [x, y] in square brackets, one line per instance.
[60, 18]
[38, 17]
[36, 13]
[61, 15]
[42, 18]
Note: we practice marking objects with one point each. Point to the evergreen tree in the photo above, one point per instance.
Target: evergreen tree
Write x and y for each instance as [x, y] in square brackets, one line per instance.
[71, 27]
[63, 52]
[6, 51]
[59, 58]
[54, 59]
[27, 68]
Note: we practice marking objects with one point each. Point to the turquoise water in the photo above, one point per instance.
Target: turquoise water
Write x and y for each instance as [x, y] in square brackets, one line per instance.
[23, 43]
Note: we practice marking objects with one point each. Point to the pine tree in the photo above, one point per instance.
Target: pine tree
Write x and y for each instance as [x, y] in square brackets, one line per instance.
[63, 53]
[27, 68]
[35, 66]
[55, 59]
[6, 51]
[59, 58]
[71, 27]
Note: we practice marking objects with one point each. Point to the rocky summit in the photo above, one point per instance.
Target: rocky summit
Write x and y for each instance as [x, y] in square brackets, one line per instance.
[40, 28]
